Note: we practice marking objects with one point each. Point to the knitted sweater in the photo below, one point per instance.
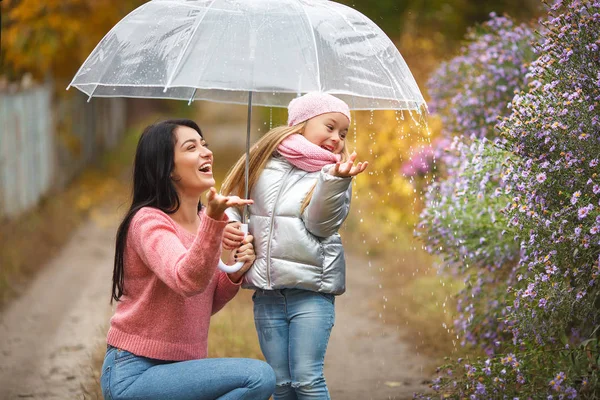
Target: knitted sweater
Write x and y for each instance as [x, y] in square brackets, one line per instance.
[172, 287]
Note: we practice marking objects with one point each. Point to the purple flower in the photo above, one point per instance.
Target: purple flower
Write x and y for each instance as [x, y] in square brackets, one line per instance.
[541, 177]
[571, 393]
[480, 389]
[583, 212]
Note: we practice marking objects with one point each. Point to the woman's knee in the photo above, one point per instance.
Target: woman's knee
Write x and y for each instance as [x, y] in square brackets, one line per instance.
[262, 376]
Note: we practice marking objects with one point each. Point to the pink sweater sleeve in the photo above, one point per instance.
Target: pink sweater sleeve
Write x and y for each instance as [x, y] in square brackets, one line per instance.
[187, 272]
[225, 291]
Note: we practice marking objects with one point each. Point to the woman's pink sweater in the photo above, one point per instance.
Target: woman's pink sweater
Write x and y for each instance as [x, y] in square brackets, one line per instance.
[172, 287]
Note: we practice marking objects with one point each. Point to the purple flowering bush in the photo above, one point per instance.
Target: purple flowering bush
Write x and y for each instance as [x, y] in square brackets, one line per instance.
[462, 224]
[525, 375]
[470, 91]
[554, 129]
[547, 303]
[422, 159]
[461, 221]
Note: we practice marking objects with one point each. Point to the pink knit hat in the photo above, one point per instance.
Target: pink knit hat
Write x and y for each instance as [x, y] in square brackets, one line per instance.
[312, 104]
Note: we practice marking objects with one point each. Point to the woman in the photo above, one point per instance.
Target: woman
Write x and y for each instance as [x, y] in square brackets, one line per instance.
[166, 282]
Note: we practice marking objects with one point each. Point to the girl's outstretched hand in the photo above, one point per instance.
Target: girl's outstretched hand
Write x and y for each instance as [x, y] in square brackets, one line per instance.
[217, 203]
[348, 169]
[233, 236]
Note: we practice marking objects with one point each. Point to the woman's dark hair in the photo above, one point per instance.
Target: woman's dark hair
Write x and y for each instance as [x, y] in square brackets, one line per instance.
[152, 184]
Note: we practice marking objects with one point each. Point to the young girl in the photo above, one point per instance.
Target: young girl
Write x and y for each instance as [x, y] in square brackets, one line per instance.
[300, 181]
[166, 282]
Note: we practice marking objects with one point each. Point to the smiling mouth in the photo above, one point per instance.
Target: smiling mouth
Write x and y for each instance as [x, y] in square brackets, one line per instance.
[328, 148]
[205, 168]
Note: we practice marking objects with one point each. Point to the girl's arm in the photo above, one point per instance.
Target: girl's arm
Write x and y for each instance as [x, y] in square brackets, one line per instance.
[329, 205]
[187, 272]
[234, 214]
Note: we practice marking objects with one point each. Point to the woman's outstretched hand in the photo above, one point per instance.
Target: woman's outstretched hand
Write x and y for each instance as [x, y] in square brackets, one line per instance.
[348, 169]
[246, 254]
[217, 203]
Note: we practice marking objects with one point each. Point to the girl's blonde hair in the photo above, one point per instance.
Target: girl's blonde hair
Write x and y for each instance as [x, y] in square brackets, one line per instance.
[233, 185]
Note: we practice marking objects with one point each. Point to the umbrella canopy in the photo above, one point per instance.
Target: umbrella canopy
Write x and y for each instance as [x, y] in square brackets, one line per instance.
[220, 50]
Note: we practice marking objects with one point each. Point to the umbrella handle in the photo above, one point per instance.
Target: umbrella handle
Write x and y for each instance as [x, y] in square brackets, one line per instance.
[238, 265]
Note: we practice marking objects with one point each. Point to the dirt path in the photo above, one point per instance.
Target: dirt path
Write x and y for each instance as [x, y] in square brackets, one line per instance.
[50, 333]
[367, 360]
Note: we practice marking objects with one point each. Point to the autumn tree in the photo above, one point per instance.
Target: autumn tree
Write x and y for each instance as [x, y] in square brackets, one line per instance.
[53, 37]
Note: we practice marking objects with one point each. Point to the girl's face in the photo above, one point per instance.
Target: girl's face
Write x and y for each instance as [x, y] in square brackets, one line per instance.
[192, 173]
[328, 131]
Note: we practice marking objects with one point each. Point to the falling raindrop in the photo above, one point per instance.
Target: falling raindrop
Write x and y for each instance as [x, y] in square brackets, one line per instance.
[354, 130]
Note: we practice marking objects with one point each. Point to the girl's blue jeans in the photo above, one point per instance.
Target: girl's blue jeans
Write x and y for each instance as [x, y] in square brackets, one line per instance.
[293, 327]
[126, 376]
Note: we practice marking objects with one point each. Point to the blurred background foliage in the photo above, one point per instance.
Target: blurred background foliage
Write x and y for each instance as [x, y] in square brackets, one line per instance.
[50, 39]
[446, 20]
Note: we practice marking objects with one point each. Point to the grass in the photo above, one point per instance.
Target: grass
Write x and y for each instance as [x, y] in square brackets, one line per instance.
[232, 332]
[91, 389]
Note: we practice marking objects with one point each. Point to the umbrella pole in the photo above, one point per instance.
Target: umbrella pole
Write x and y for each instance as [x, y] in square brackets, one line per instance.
[245, 216]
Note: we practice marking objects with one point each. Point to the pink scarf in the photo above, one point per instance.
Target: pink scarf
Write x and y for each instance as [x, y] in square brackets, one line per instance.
[303, 154]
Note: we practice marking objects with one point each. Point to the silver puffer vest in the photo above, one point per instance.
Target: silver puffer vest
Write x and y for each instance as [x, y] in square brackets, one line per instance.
[294, 249]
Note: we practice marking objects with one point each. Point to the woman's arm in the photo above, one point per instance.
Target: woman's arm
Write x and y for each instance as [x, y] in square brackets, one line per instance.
[187, 272]
[228, 284]
[224, 292]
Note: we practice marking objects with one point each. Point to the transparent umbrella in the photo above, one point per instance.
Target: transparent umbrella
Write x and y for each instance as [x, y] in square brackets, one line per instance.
[261, 52]
[221, 50]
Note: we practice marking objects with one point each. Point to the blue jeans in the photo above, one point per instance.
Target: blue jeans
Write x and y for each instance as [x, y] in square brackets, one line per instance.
[293, 327]
[127, 376]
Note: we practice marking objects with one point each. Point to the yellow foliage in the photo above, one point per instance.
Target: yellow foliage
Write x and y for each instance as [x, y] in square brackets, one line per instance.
[387, 200]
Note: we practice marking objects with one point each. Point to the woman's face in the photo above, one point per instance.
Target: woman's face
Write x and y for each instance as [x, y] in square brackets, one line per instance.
[193, 163]
[328, 131]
